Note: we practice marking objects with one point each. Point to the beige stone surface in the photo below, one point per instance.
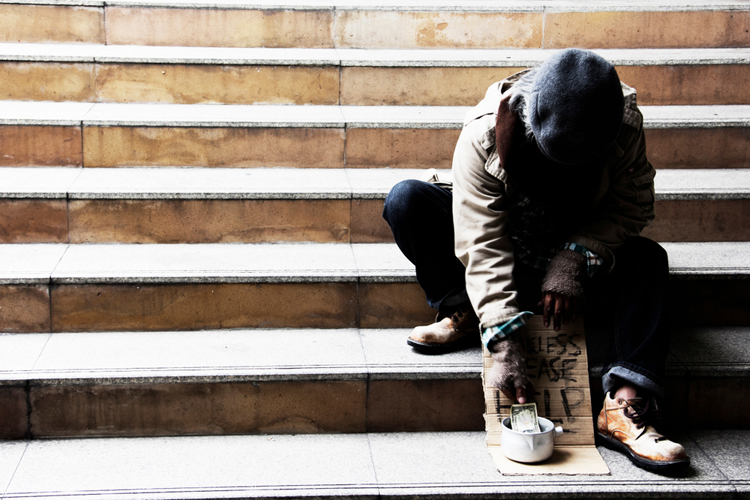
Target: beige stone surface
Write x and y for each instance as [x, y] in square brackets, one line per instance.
[400, 148]
[368, 225]
[657, 85]
[197, 83]
[33, 221]
[293, 407]
[219, 27]
[646, 29]
[24, 308]
[393, 305]
[46, 23]
[705, 220]
[699, 148]
[13, 413]
[40, 146]
[209, 221]
[213, 147]
[47, 81]
[689, 84]
[372, 86]
[203, 306]
[425, 405]
[421, 30]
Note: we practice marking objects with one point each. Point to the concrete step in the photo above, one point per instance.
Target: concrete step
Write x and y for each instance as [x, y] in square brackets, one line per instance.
[302, 381]
[219, 205]
[360, 24]
[352, 466]
[58, 288]
[233, 381]
[190, 75]
[54, 134]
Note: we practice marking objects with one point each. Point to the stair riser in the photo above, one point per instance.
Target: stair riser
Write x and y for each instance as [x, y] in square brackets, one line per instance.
[300, 407]
[25, 308]
[292, 407]
[150, 307]
[192, 84]
[656, 85]
[47, 23]
[207, 306]
[700, 220]
[214, 147]
[30, 221]
[710, 302]
[211, 221]
[41, 146]
[203, 306]
[433, 148]
[373, 29]
[219, 28]
[362, 29]
[182, 84]
[14, 423]
[28, 81]
[646, 30]
[693, 147]
[313, 147]
[370, 86]
[722, 402]
[261, 221]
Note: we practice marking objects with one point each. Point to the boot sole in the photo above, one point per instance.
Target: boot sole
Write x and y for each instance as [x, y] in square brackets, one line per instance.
[457, 345]
[671, 467]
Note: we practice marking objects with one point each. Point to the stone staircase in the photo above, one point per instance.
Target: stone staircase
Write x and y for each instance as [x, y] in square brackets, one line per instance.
[194, 269]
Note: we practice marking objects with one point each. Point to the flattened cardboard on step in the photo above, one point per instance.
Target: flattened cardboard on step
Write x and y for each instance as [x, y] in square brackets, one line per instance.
[558, 368]
[565, 460]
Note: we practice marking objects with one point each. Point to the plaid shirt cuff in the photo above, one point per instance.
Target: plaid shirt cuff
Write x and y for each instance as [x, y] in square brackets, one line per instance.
[497, 333]
[593, 261]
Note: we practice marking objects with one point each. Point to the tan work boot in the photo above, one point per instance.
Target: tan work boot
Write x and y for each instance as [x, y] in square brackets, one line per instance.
[457, 331]
[622, 426]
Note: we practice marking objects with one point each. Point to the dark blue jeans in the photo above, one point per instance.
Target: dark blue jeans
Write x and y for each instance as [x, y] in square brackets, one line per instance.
[627, 306]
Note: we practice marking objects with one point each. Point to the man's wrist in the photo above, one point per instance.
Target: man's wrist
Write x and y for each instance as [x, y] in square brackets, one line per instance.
[494, 334]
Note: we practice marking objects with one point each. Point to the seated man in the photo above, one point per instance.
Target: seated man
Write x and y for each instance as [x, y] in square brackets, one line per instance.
[551, 190]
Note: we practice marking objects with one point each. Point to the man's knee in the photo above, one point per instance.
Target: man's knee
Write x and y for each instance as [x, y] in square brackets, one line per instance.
[404, 199]
[648, 253]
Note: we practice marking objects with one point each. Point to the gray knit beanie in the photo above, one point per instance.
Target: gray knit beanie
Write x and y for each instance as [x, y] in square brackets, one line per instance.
[576, 106]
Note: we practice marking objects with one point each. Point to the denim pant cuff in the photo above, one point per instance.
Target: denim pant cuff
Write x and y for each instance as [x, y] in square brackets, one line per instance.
[455, 300]
[614, 376]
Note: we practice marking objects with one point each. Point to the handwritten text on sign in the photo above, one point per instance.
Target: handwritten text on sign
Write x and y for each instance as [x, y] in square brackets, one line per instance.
[558, 368]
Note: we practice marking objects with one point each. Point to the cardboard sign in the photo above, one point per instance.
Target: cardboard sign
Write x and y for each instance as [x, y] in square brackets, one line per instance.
[557, 366]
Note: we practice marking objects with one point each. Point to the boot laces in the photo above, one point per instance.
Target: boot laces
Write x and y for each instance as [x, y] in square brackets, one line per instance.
[642, 412]
[463, 319]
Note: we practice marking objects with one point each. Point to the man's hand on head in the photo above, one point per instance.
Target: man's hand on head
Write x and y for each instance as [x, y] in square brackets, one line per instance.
[559, 308]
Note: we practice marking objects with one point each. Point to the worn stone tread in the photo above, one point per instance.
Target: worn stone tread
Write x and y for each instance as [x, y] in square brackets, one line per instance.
[225, 356]
[343, 466]
[281, 263]
[315, 116]
[287, 183]
[92, 53]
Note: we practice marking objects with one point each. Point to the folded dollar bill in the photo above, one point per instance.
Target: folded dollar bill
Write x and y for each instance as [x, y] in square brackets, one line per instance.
[524, 418]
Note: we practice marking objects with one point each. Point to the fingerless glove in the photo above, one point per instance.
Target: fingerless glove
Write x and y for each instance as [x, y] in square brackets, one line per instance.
[563, 274]
[508, 371]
